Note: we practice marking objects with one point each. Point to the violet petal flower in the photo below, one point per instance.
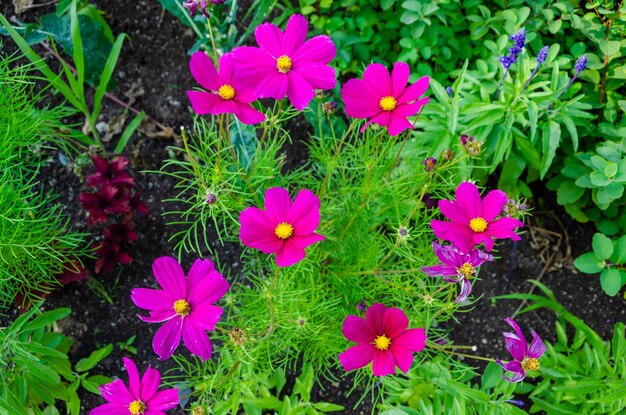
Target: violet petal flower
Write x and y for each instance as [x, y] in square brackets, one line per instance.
[525, 356]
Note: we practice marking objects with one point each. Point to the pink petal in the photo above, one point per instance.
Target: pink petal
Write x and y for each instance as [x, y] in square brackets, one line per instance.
[302, 241]
[227, 70]
[466, 290]
[515, 346]
[412, 339]
[252, 65]
[357, 330]
[397, 124]
[150, 382]
[537, 347]
[270, 38]
[440, 271]
[158, 316]
[209, 290]
[319, 49]
[518, 330]
[243, 95]
[299, 91]
[468, 200]
[204, 102]
[163, 400]
[504, 228]
[150, 299]
[451, 211]
[493, 204]
[357, 356]
[318, 76]
[133, 377]
[295, 34]
[448, 255]
[483, 238]
[304, 214]
[414, 91]
[116, 392]
[399, 77]
[359, 103]
[402, 357]
[197, 341]
[167, 338]
[170, 275]
[289, 254]
[461, 235]
[382, 119]
[274, 85]
[409, 110]
[277, 204]
[257, 231]
[110, 409]
[205, 316]
[394, 322]
[153, 412]
[513, 366]
[247, 114]
[199, 270]
[384, 363]
[374, 318]
[203, 71]
[377, 77]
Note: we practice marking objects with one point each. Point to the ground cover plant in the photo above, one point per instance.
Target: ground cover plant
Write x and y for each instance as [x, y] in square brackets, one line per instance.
[353, 269]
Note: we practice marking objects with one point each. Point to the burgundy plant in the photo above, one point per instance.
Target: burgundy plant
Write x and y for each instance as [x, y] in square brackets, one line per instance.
[109, 255]
[113, 173]
[103, 202]
[526, 357]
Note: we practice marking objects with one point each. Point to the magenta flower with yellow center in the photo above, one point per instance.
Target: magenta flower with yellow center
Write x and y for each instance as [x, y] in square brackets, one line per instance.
[385, 99]
[224, 94]
[383, 339]
[184, 304]
[526, 357]
[457, 266]
[286, 64]
[283, 228]
[141, 397]
[473, 220]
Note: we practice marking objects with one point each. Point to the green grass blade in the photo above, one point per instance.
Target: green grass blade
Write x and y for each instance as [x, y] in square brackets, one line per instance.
[128, 132]
[106, 75]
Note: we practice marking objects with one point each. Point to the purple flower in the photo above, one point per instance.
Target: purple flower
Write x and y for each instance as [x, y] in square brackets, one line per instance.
[449, 91]
[430, 163]
[519, 41]
[457, 267]
[471, 146]
[526, 357]
[193, 5]
[542, 55]
[581, 64]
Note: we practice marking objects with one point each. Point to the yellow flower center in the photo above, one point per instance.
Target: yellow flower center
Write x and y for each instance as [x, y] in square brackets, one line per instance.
[382, 342]
[530, 363]
[466, 269]
[283, 230]
[388, 103]
[182, 307]
[227, 92]
[283, 63]
[136, 407]
[478, 224]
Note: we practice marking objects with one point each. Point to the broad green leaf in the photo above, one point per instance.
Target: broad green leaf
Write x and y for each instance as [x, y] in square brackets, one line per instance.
[609, 193]
[569, 193]
[589, 263]
[609, 47]
[619, 251]
[244, 141]
[94, 358]
[327, 407]
[47, 318]
[602, 246]
[551, 138]
[492, 376]
[611, 281]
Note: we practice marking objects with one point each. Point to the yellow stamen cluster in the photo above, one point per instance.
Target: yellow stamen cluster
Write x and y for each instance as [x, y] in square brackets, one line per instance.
[478, 224]
[226, 92]
[382, 342]
[283, 230]
[388, 103]
[283, 63]
[530, 363]
[182, 307]
[466, 269]
[136, 407]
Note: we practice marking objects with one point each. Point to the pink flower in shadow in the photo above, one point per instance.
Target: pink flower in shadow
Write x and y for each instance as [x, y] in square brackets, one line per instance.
[473, 220]
[382, 338]
[184, 304]
[140, 397]
[385, 99]
[526, 357]
[284, 228]
[286, 64]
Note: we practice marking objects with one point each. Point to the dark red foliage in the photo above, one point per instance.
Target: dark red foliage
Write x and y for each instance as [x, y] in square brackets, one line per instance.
[73, 271]
[109, 255]
[113, 173]
[121, 233]
[107, 200]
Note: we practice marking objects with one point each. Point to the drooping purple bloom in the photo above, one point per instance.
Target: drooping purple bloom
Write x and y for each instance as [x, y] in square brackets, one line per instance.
[526, 357]
[457, 266]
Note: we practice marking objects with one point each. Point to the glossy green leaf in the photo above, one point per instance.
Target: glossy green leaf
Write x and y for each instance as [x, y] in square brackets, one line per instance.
[602, 246]
[589, 263]
[611, 281]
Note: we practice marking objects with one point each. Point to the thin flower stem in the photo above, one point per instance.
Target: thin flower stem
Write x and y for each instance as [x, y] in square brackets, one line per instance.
[215, 54]
[449, 351]
[338, 149]
[272, 326]
[192, 159]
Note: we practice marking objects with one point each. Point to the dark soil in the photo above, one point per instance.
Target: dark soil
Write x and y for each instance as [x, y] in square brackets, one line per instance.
[156, 59]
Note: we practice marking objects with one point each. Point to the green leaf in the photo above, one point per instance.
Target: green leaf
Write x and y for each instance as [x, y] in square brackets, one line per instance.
[327, 407]
[243, 139]
[568, 193]
[550, 139]
[94, 358]
[92, 382]
[128, 132]
[47, 318]
[492, 376]
[610, 170]
[602, 246]
[387, 4]
[609, 47]
[40, 371]
[611, 281]
[609, 193]
[589, 263]
[105, 77]
[619, 251]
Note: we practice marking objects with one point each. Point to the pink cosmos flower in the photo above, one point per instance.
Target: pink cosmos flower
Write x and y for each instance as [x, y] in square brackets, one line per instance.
[474, 219]
[526, 356]
[382, 337]
[286, 64]
[141, 396]
[385, 99]
[283, 228]
[457, 266]
[184, 304]
[225, 94]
